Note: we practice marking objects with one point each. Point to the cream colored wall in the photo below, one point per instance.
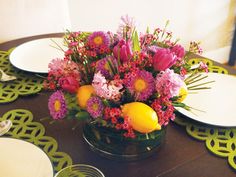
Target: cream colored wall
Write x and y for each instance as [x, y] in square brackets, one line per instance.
[208, 21]
[20, 18]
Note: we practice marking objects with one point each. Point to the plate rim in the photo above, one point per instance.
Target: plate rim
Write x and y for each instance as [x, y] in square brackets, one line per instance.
[182, 111]
[27, 142]
[27, 43]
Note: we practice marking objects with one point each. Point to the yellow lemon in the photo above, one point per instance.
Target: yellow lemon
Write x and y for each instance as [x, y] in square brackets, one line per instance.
[142, 117]
[183, 92]
[83, 94]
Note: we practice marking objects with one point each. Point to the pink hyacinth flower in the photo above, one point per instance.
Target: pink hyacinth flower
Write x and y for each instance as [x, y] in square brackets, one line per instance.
[123, 51]
[163, 59]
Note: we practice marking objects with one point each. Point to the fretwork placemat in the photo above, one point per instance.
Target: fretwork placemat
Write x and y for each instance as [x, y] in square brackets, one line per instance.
[25, 84]
[25, 128]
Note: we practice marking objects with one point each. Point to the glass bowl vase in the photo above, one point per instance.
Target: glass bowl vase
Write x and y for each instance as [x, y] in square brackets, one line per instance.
[110, 143]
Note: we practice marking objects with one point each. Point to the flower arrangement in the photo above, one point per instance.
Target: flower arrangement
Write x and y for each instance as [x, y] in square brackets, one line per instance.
[126, 81]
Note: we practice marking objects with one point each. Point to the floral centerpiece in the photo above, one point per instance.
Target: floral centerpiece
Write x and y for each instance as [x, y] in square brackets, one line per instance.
[125, 83]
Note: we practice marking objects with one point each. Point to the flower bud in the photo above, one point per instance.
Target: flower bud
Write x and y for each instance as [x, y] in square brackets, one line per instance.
[69, 84]
[163, 59]
[123, 50]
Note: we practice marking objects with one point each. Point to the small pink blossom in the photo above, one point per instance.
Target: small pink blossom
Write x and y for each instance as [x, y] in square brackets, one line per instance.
[153, 48]
[203, 66]
[72, 44]
[62, 67]
[164, 109]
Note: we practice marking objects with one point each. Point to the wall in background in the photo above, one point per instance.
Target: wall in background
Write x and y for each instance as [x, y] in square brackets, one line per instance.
[20, 18]
[208, 21]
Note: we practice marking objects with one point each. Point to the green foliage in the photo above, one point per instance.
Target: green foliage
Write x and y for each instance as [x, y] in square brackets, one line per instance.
[135, 39]
[82, 115]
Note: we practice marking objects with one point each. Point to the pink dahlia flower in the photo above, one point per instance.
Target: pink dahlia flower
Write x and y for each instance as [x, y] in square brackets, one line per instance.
[95, 107]
[98, 39]
[141, 84]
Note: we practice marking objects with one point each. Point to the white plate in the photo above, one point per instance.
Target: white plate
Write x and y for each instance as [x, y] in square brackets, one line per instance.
[217, 105]
[20, 158]
[34, 56]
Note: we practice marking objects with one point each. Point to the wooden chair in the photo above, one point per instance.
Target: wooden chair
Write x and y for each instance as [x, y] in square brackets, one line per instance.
[232, 56]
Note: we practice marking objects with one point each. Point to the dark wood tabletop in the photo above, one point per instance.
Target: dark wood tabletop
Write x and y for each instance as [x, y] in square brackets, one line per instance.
[181, 155]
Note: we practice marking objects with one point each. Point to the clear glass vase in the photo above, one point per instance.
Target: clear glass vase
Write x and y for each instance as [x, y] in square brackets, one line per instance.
[112, 144]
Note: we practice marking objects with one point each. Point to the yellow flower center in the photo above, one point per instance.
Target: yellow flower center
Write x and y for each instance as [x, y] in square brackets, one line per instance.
[140, 85]
[95, 107]
[98, 40]
[57, 105]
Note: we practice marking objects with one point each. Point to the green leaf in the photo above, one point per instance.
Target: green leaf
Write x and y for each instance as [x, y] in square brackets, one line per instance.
[135, 38]
[83, 115]
[148, 30]
[112, 66]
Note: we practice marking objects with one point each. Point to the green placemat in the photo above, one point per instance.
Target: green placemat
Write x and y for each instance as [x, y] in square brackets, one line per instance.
[25, 84]
[219, 141]
[26, 129]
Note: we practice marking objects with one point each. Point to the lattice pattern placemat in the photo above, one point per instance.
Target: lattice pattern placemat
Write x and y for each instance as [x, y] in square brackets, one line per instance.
[34, 132]
[25, 84]
[220, 141]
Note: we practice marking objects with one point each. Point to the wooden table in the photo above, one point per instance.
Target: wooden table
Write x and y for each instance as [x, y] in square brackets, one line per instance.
[181, 156]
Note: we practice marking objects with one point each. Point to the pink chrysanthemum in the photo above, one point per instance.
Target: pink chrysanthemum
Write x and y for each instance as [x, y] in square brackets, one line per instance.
[168, 83]
[57, 105]
[99, 39]
[104, 67]
[103, 89]
[141, 84]
[95, 107]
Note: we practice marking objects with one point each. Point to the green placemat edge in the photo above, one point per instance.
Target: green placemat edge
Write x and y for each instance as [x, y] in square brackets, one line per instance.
[26, 83]
[25, 128]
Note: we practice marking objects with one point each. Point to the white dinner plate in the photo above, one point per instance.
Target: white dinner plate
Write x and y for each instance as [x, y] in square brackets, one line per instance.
[216, 106]
[19, 158]
[34, 56]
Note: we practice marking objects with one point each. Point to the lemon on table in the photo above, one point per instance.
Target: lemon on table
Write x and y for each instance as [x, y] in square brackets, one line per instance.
[83, 94]
[183, 92]
[142, 117]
